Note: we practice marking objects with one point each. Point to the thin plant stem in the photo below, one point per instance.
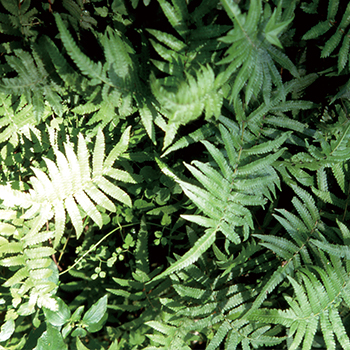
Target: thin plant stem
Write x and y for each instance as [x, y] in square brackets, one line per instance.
[93, 248]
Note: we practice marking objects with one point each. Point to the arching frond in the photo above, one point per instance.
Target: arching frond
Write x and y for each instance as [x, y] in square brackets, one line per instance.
[246, 178]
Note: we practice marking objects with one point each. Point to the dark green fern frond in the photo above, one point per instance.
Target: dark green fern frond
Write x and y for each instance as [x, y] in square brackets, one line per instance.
[215, 306]
[341, 34]
[33, 81]
[118, 86]
[64, 70]
[78, 15]
[296, 253]
[184, 100]
[20, 20]
[251, 56]
[245, 178]
[199, 48]
[336, 250]
[87, 66]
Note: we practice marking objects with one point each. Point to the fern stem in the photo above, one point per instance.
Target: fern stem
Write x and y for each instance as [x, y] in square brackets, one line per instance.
[63, 249]
[346, 204]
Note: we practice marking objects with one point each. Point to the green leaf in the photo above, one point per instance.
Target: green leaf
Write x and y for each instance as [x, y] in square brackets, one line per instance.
[51, 339]
[80, 345]
[79, 332]
[77, 313]
[95, 327]
[7, 330]
[96, 312]
[273, 29]
[60, 317]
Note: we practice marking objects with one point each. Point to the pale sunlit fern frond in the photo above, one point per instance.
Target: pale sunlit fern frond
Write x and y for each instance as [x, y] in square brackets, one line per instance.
[73, 186]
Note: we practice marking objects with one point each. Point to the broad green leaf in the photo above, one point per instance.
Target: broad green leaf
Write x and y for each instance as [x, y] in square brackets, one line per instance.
[96, 312]
[80, 345]
[60, 317]
[95, 327]
[7, 330]
[51, 339]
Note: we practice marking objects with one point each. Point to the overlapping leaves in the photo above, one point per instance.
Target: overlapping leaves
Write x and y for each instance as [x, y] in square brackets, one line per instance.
[315, 306]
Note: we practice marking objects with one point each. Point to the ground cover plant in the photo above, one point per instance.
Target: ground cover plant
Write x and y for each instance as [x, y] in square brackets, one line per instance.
[174, 174]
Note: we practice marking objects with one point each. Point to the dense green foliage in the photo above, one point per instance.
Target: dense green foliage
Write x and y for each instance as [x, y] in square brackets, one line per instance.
[174, 174]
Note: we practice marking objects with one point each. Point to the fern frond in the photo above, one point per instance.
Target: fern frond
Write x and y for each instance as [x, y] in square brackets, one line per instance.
[250, 56]
[187, 99]
[315, 303]
[33, 81]
[224, 196]
[87, 66]
[71, 182]
[64, 70]
[293, 253]
[340, 34]
[218, 306]
[20, 20]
